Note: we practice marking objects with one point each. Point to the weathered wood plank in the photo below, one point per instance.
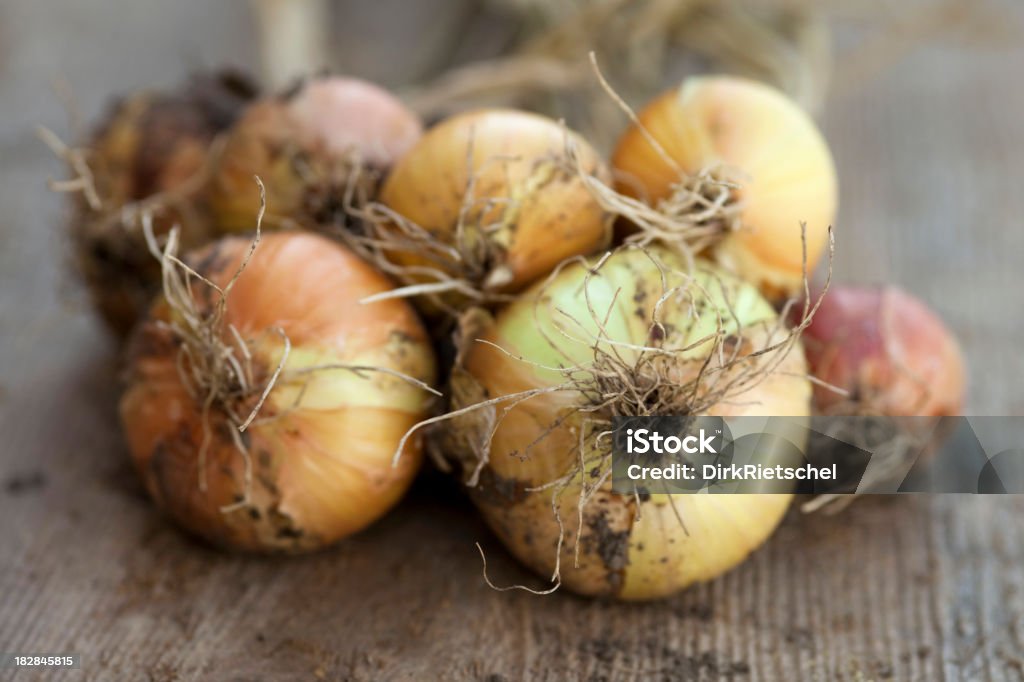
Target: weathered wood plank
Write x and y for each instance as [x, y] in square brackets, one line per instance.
[931, 163]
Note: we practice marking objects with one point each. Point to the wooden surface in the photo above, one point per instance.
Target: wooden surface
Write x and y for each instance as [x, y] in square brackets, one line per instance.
[931, 160]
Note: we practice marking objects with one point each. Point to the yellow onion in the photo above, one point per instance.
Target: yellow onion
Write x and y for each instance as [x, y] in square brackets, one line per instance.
[495, 201]
[151, 147]
[308, 145]
[314, 461]
[627, 336]
[758, 139]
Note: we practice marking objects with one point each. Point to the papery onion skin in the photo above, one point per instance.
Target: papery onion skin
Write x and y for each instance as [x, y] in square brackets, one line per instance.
[767, 145]
[621, 555]
[512, 156]
[888, 351]
[323, 469]
[303, 145]
[149, 143]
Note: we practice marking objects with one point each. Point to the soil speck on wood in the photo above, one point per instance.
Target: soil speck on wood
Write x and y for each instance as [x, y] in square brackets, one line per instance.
[24, 483]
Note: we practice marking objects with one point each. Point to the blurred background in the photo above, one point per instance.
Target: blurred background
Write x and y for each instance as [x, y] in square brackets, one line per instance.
[922, 106]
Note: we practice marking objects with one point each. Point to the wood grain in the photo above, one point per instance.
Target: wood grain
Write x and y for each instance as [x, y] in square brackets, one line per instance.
[931, 160]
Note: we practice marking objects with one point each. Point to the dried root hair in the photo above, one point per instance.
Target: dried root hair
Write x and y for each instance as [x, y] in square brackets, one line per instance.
[472, 266]
[197, 110]
[700, 210]
[105, 244]
[105, 213]
[215, 362]
[337, 192]
[624, 379]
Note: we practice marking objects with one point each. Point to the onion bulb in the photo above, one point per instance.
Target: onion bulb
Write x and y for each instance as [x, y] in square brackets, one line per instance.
[755, 137]
[267, 419]
[151, 149]
[623, 336]
[310, 147]
[887, 351]
[487, 201]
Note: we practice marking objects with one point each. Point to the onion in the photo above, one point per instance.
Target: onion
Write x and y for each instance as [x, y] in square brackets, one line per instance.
[487, 202]
[150, 149]
[266, 419]
[888, 352]
[310, 147]
[716, 134]
[627, 335]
